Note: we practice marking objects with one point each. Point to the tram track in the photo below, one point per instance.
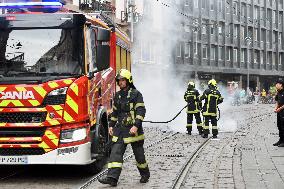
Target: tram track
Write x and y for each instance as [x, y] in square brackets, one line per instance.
[183, 173]
[103, 172]
[184, 170]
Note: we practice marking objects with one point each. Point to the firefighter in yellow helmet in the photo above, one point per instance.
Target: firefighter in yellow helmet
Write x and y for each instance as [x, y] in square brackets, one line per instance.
[212, 98]
[191, 96]
[125, 127]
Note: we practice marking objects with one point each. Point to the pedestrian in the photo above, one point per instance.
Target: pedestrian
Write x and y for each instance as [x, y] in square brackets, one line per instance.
[125, 127]
[191, 96]
[263, 96]
[279, 109]
[212, 98]
[256, 96]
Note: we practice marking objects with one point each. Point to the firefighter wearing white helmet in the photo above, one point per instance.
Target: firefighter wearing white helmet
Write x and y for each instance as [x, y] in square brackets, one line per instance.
[125, 127]
[191, 96]
[212, 98]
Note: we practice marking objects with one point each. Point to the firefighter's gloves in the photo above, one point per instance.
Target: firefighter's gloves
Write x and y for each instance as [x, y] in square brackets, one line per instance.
[110, 131]
[133, 130]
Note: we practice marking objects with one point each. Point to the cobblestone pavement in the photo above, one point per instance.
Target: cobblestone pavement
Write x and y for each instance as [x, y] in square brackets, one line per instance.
[241, 159]
[55, 177]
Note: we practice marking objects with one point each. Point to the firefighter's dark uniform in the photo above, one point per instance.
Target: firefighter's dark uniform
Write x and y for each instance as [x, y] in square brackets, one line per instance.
[280, 116]
[212, 98]
[128, 111]
[191, 96]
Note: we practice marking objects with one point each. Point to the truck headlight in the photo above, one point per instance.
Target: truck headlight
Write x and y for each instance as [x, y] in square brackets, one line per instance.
[55, 97]
[73, 135]
[60, 91]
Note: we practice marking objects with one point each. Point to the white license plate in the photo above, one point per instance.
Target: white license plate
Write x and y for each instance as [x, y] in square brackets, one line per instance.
[13, 160]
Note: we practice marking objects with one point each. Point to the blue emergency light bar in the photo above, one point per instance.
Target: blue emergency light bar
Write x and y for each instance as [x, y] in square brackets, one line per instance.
[19, 5]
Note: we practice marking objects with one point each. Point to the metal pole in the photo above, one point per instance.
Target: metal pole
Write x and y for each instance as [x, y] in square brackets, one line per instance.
[132, 24]
[3, 10]
[248, 77]
[248, 41]
[195, 42]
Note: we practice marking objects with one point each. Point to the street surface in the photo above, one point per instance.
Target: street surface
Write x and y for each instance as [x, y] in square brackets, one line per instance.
[244, 158]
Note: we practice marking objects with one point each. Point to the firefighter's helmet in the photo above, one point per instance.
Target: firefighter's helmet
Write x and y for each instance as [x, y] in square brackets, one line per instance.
[212, 82]
[123, 73]
[191, 84]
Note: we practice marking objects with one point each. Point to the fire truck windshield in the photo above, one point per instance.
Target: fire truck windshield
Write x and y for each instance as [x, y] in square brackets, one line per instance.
[41, 52]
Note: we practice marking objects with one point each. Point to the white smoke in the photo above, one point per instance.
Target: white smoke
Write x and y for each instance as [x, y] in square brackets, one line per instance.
[162, 88]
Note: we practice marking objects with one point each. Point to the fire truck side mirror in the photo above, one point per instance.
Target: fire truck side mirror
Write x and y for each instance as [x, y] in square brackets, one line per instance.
[103, 56]
[103, 49]
[103, 34]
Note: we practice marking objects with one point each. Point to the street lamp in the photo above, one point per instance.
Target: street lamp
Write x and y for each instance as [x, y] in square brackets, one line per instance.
[248, 41]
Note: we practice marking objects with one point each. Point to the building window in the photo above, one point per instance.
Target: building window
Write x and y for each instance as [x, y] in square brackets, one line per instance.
[261, 57]
[274, 37]
[274, 59]
[280, 19]
[249, 12]
[262, 37]
[255, 12]
[242, 55]
[256, 34]
[269, 58]
[243, 9]
[187, 28]
[205, 51]
[229, 53]
[255, 56]
[262, 14]
[203, 30]
[249, 55]
[186, 3]
[186, 50]
[212, 4]
[220, 29]
[250, 32]
[235, 8]
[235, 55]
[242, 32]
[269, 16]
[195, 2]
[213, 52]
[220, 53]
[236, 31]
[212, 30]
[280, 38]
[220, 5]
[179, 50]
[203, 4]
[274, 17]
[269, 2]
[273, 3]
[280, 58]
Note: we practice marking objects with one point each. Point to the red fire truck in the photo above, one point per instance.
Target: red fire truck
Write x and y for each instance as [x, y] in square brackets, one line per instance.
[57, 80]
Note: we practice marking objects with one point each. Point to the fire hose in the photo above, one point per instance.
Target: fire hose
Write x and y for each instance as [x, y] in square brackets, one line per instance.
[219, 115]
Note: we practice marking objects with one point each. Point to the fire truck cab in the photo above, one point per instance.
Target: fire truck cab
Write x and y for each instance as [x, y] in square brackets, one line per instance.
[57, 80]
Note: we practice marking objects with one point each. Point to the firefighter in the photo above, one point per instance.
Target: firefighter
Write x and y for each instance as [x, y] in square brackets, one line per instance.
[125, 127]
[191, 96]
[212, 98]
[279, 109]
